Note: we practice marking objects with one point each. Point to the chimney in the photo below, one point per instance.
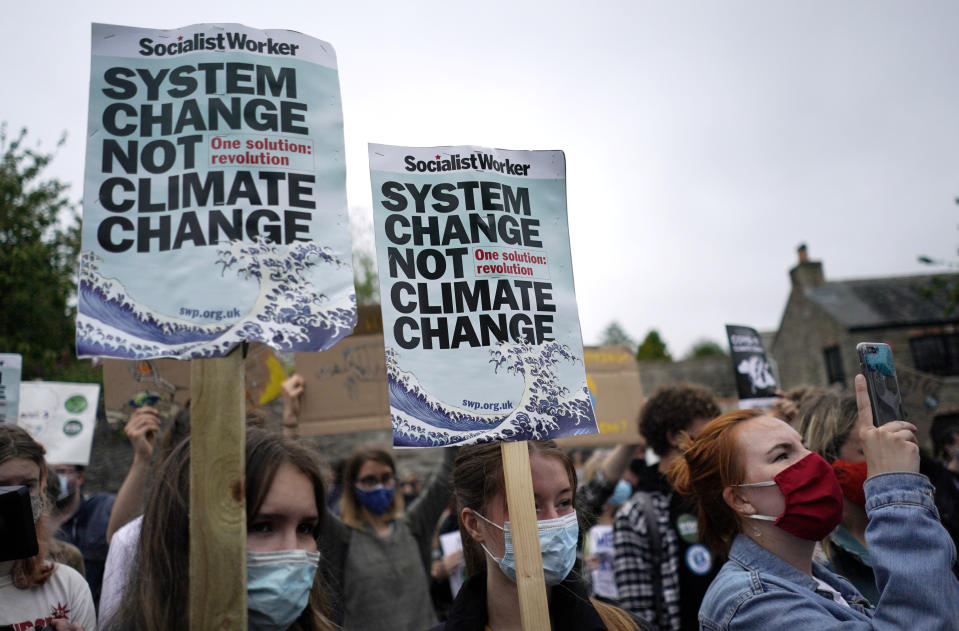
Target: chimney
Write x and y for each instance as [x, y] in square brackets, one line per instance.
[806, 274]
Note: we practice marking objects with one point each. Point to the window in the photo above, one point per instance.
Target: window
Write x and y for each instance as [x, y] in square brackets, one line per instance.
[834, 372]
[936, 354]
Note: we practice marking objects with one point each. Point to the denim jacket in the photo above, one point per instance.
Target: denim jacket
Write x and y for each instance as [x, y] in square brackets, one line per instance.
[912, 556]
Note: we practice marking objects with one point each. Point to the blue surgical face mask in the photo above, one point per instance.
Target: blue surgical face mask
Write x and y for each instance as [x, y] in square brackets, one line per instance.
[64, 487]
[557, 544]
[278, 586]
[621, 493]
[377, 500]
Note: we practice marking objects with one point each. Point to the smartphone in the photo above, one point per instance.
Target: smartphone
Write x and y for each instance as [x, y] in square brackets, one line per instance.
[877, 366]
[18, 534]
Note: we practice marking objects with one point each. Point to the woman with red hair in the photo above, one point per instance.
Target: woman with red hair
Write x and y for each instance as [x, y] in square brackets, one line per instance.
[766, 500]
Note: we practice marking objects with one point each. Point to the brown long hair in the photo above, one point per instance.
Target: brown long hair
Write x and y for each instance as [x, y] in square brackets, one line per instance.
[478, 477]
[351, 511]
[15, 442]
[709, 464]
[158, 596]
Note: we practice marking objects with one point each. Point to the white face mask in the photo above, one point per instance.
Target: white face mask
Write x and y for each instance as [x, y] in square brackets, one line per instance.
[557, 544]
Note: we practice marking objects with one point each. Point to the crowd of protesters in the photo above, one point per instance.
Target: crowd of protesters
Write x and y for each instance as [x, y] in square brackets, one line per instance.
[807, 515]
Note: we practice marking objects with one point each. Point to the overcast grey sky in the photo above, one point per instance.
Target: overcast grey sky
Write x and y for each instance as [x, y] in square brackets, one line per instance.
[704, 140]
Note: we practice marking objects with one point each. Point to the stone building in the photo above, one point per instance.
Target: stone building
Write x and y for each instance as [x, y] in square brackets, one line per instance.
[824, 320]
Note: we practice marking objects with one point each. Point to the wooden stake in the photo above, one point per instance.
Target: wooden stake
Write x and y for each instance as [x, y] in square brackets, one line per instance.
[534, 611]
[217, 495]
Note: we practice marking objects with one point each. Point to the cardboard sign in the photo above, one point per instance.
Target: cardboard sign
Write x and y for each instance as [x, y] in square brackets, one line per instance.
[11, 367]
[613, 378]
[214, 198]
[754, 375]
[165, 383]
[479, 311]
[345, 388]
[61, 417]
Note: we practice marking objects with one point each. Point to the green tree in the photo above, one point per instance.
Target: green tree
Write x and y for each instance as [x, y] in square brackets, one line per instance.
[653, 347]
[39, 243]
[365, 280]
[706, 348]
[943, 289]
[615, 334]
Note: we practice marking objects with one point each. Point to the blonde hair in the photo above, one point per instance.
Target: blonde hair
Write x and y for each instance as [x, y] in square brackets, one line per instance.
[614, 618]
[826, 420]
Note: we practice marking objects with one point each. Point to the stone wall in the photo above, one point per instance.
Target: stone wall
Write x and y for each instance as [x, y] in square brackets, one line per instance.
[715, 373]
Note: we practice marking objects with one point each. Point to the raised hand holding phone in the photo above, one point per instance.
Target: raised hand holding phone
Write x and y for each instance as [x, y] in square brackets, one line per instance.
[889, 448]
[878, 367]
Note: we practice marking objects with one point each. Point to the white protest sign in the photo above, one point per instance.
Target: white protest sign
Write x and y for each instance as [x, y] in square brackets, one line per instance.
[480, 323]
[214, 195]
[61, 417]
[451, 542]
[11, 366]
[600, 560]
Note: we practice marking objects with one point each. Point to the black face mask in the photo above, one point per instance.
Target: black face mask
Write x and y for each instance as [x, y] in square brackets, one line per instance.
[636, 465]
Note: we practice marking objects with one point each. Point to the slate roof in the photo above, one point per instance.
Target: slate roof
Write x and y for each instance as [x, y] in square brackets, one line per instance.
[887, 302]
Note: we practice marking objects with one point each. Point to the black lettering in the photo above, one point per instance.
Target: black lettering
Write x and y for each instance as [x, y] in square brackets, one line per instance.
[106, 194]
[105, 234]
[393, 191]
[122, 88]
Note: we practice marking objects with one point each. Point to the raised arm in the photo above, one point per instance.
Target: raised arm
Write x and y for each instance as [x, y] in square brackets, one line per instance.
[912, 554]
[142, 430]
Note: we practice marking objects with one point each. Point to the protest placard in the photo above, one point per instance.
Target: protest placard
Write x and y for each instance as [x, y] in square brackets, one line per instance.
[481, 329]
[61, 417]
[164, 384]
[345, 389]
[11, 366]
[451, 543]
[612, 375]
[755, 382]
[214, 194]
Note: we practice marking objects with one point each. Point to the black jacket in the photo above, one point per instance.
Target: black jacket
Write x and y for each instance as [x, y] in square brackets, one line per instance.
[569, 607]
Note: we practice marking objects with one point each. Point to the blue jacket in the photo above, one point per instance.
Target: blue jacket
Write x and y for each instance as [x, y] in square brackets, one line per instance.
[912, 556]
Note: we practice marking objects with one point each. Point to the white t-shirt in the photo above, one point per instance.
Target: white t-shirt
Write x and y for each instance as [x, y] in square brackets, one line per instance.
[116, 572]
[826, 587]
[65, 595]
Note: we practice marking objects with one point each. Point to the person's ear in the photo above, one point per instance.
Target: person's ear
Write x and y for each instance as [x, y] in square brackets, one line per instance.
[79, 478]
[471, 523]
[735, 500]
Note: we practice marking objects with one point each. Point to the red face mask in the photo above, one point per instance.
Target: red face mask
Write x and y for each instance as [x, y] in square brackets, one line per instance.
[813, 498]
[851, 476]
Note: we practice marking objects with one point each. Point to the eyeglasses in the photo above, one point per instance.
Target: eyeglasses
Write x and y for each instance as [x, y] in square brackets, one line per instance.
[369, 481]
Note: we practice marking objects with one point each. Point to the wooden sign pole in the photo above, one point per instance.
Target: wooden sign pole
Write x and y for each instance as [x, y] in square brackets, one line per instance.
[218, 495]
[530, 582]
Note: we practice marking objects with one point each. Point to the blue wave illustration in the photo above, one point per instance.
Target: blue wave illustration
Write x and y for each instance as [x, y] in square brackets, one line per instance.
[289, 313]
[545, 409]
